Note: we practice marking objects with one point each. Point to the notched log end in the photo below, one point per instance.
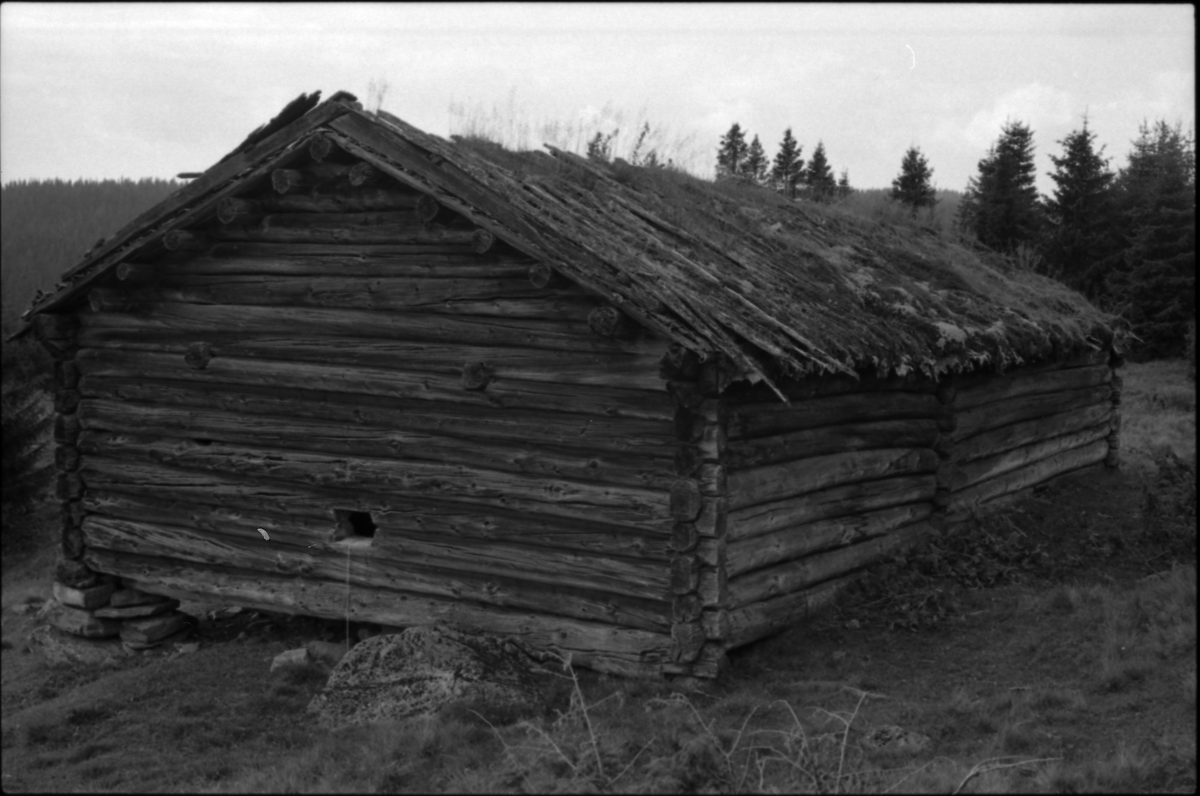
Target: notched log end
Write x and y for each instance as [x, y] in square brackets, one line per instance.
[198, 356]
[612, 323]
[477, 375]
[482, 241]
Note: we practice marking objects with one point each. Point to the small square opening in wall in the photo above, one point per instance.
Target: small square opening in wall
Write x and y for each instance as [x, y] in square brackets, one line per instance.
[353, 525]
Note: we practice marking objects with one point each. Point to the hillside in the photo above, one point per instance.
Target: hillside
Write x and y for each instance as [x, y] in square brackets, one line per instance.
[46, 226]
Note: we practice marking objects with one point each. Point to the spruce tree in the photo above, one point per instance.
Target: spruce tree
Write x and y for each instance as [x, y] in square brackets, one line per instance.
[732, 154]
[756, 162]
[1001, 204]
[912, 187]
[843, 186]
[788, 165]
[819, 176]
[1079, 214]
[1153, 281]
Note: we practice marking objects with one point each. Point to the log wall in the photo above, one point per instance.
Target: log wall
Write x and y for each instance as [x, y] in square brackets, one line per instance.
[1018, 430]
[820, 488]
[326, 355]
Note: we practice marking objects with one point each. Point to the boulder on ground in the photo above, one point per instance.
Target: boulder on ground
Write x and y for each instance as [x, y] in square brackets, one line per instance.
[91, 597]
[79, 622]
[66, 649]
[421, 670]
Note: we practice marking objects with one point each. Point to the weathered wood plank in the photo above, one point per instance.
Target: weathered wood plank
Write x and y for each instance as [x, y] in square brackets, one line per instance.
[773, 482]
[744, 555]
[237, 269]
[615, 504]
[749, 421]
[629, 371]
[297, 514]
[770, 616]
[824, 386]
[802, 573]
[973, 392]
[199, 319]
[399, 544]
[748, 453]
[597, 645]
[378, 293]
[973, 497]
[1026, 407]
[580, 432]
[1005, 438]
[967, 474]
[286, 376]
[370, 228]
[374, 441]
[571, 594]
[866, 496]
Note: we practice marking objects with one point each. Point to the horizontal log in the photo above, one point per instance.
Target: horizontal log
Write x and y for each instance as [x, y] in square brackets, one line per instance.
[803, 573]
[593, 644]
[971, 473]
[687, 639]
[562, 590]
[383, 293]
[482, 241]
[773, 482]
[613, 369]
[270, 433]
[298, 514]
[764, 518]
[761, 619]
[501, 393]
[199, 320]
[916, 433]
[749, 421]
[209, 271]
[346, 228]
[1015, 435]
[1018, 384]
[580, 432]
[1026, 407]
[347, 199]
[618, 505]
[972, 498]
[807, 389]
[791, 543]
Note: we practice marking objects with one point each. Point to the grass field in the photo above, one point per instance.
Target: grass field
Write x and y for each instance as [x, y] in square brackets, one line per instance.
[1050, 648]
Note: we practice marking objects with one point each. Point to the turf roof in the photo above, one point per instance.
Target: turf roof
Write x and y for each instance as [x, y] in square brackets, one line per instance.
[781, 288]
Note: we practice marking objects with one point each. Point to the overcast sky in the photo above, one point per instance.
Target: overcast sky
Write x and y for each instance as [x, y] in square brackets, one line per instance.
[108, 90]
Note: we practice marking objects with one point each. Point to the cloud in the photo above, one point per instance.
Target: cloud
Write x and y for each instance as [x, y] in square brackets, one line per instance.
[1036, 105]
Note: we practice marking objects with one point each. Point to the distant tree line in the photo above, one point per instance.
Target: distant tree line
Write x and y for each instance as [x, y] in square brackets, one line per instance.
[1126, 239]
[46, 226]
[786, 173]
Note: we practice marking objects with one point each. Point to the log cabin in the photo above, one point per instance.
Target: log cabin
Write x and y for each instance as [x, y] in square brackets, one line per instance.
[622, 413]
